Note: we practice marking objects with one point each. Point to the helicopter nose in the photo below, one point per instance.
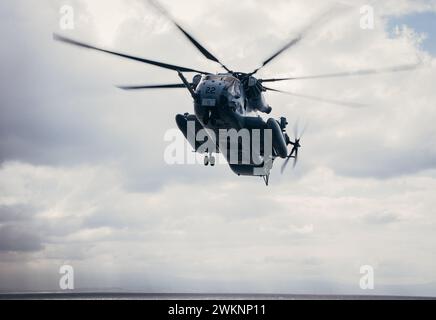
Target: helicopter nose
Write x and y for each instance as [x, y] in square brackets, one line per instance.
[212, 88]
[211, 93]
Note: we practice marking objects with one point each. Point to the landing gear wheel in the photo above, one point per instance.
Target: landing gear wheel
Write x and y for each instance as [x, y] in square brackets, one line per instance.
[206, 160]
[212, 161]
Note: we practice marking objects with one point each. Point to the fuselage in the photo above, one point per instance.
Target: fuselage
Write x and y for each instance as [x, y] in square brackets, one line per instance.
[220, 102]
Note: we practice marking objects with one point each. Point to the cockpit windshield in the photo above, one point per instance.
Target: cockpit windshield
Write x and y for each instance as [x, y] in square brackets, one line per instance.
[227, 79]
[231, 84]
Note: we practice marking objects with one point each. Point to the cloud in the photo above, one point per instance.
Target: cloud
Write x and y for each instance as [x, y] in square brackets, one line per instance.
[381, 218]
[84, 119]
[18, 238]
[318, 224]
[11, 213]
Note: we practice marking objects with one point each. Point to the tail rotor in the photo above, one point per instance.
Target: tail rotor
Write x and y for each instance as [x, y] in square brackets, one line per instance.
[295, 146]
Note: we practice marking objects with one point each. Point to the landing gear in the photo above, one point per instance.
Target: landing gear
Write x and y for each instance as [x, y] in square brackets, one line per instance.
[266, 179]
[209, 160]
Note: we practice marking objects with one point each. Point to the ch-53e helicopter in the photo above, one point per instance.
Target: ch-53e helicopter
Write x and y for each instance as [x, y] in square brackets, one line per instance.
[232, 100]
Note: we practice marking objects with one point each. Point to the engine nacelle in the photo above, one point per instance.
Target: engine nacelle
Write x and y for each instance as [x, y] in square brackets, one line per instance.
[182, 124]
[278, 139]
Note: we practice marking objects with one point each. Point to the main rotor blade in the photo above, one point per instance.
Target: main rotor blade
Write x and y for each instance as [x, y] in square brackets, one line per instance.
[156, 86]
[202, 49]
[286, 47]
[337, 102]
[295, 40]
[155, 63]
[350, 74]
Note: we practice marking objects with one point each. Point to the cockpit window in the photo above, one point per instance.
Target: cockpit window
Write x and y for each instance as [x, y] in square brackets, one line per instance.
[231, 84]
[228, 80]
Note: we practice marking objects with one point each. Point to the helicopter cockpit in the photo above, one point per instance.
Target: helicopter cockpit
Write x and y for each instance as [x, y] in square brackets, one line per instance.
[228, 82]
[222, 88]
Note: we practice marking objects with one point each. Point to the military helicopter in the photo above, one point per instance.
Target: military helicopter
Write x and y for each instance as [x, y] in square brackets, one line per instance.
[233, 100]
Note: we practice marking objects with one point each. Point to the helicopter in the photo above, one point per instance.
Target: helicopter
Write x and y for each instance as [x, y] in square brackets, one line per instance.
[234, 100]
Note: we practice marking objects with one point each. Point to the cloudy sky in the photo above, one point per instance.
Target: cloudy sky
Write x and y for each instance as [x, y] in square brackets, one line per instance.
[83, 181]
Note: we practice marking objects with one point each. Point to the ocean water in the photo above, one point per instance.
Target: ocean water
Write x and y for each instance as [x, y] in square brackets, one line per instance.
[153, 296]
